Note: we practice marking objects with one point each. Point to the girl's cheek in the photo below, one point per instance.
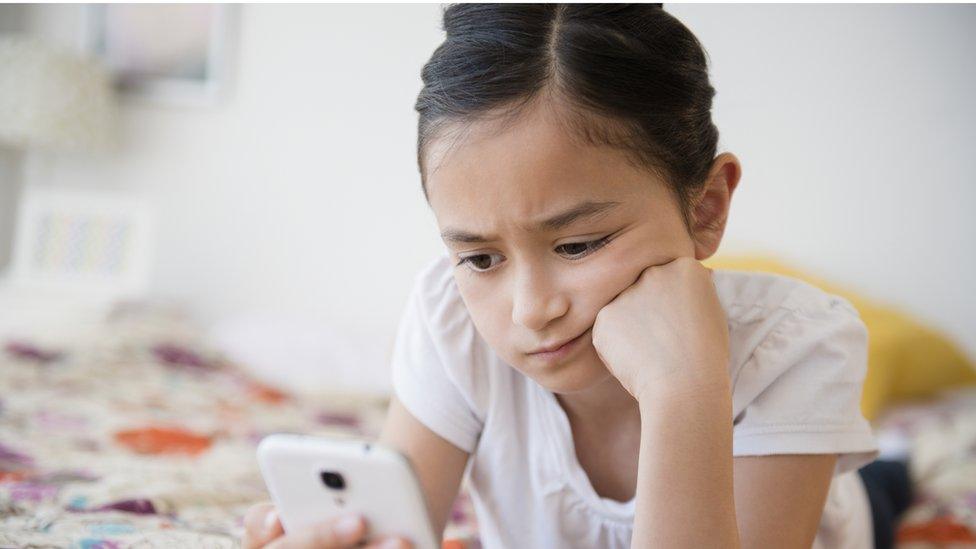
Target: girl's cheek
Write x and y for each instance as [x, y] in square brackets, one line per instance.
[472, 290]
[612, 274]
[485, 308]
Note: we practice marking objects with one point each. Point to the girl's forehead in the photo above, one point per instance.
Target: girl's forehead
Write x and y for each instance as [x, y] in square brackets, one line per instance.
[479, 194]
[533, 159]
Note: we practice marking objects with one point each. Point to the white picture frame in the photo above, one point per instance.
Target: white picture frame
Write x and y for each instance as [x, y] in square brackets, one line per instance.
[175, 54]
[83, 241]
[77, 255]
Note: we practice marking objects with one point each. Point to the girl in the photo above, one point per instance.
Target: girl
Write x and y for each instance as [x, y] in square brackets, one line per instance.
[569, 351]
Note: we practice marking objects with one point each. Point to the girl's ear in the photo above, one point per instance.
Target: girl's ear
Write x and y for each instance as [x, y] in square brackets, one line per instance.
[710, 211]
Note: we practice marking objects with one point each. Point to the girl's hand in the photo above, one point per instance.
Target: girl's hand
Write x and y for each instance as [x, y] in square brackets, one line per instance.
[263, 529]
[665, 332]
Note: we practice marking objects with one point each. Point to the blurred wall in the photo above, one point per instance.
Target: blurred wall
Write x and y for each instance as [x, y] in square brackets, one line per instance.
[13, 19]
[299, 196]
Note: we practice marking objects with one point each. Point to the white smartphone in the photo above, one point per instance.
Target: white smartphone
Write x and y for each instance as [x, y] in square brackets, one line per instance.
[314, 478]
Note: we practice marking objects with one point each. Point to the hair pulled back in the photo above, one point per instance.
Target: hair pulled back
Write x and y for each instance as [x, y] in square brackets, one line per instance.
[632, 77]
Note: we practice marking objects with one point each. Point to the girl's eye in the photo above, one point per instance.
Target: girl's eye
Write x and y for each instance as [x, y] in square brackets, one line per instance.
[579, 250]
[478, 263]
[482, 263]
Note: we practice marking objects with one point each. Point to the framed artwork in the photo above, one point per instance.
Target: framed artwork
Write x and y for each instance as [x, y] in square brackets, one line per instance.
[169, 53]
[85, 241]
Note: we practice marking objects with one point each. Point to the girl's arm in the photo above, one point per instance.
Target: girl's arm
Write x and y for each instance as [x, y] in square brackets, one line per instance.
[684, 472]
[438, 463]
[666, 339]
[779, 499]
[691, 492]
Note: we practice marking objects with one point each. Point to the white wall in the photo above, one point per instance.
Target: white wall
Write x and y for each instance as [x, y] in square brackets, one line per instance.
[856, 126]
[299, 195]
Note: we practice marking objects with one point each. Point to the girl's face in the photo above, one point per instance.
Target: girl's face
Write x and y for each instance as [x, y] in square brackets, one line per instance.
[544, 232]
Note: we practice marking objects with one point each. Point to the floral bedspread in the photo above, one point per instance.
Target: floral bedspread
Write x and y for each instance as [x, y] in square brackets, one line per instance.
[940, 437]
[140, 436]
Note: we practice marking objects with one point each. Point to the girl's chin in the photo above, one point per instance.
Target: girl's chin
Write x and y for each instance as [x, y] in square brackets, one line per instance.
[571, 377]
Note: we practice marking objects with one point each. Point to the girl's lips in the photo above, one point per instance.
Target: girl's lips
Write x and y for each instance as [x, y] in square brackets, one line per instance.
[562, 351]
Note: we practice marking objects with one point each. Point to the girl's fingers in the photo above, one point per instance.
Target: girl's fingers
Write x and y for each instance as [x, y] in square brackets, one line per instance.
[261, 525]
[390, 543]
[263, 529]
[338, 533]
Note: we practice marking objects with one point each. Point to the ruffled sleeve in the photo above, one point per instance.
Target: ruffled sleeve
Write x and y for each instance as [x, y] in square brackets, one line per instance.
[432, 375]
[799, 391]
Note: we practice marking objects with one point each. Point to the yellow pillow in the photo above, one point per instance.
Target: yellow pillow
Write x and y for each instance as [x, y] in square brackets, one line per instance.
[906, 360]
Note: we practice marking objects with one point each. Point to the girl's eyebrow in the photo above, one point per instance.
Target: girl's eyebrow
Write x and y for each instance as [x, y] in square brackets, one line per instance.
[579, 212]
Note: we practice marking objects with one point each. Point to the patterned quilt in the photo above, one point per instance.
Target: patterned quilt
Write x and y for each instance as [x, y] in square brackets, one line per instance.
[940, 437]
[141, 436]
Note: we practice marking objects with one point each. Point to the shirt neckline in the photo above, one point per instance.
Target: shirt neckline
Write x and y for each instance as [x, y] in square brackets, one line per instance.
[559, 438]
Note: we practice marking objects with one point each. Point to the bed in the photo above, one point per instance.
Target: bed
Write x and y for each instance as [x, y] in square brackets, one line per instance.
[140, 435]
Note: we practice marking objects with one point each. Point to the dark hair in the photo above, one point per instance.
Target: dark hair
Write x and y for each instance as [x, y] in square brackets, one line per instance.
[632, 75]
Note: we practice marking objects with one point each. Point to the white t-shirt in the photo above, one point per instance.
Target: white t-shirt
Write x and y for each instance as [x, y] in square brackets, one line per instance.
[798, 357]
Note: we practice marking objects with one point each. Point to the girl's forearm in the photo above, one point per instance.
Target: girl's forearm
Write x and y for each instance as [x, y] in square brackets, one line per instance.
[684, 479]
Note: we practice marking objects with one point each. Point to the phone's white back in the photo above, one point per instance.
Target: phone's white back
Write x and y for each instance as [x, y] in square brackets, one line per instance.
[379, 485]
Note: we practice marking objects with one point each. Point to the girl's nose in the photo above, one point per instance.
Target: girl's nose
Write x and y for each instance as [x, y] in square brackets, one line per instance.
[536, 301]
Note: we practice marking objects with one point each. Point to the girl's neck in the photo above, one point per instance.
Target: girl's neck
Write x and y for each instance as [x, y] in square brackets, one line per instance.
[606, 401]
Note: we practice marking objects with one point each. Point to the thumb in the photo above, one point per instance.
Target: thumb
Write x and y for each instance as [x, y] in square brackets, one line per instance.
[261, 525]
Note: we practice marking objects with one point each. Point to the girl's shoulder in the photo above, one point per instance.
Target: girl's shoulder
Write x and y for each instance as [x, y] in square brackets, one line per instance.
[798, 358]
[777, 323]
[439, 302]
[437, 315]
[748, 296]
[438, 359]
[435, 285]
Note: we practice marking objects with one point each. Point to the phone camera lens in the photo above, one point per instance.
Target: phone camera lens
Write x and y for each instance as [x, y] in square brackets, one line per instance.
[333, 480]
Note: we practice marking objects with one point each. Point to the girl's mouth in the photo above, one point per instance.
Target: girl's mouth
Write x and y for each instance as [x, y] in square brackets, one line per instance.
[562, 351]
